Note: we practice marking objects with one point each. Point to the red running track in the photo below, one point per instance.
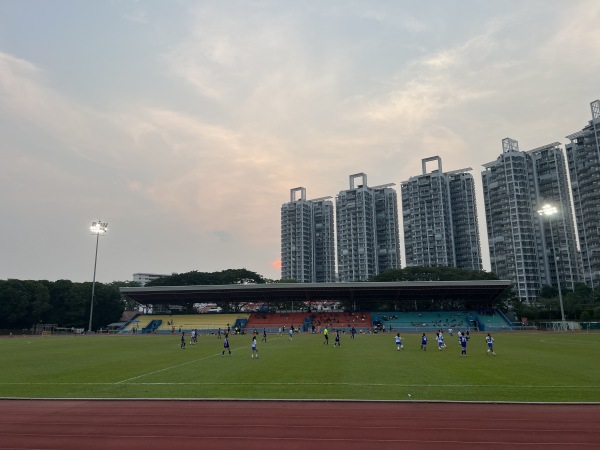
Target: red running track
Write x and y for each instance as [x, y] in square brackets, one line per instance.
[180, 425]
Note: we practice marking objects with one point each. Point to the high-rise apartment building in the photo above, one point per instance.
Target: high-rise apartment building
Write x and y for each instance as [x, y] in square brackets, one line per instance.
[307, 239]
[583, 157]
[367, 230]
[323, 240]
[440, 219]
[529, 249]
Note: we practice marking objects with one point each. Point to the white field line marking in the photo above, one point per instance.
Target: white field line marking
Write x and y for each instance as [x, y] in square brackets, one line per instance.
[170, 367]
[184, 364]
[508, 386]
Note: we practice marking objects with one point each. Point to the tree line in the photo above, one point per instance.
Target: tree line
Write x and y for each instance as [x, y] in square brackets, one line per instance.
[24, 303]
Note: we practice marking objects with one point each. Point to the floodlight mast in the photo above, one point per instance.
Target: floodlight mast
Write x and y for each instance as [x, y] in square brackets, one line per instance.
[549, 211]
[98, 228]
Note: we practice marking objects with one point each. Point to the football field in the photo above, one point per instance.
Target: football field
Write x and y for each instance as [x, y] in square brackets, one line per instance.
[529, 367]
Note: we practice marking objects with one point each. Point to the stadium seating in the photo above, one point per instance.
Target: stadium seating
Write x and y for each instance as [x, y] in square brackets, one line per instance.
[343, 321]
[204, 323]
[435, 320]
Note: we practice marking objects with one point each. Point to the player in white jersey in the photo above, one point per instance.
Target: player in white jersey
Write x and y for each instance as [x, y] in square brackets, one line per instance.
[399, 344]
[490, 343]
[254, 349]
[440, 340]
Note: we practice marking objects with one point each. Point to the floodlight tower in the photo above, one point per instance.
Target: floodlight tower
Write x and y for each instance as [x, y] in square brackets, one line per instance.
[98, 228]
[549, 211]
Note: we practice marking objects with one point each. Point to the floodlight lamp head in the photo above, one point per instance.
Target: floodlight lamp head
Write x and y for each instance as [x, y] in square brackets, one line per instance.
[548, 210]
[99, 227]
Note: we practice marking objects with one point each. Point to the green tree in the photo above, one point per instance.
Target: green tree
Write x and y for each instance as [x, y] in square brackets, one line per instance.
[195, 278]
[59, 294]
[14, 304]
[108, 305]
[128, 304]
[39, 300]
[418, 273]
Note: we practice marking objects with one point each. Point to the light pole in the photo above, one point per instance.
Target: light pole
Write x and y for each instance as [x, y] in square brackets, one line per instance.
[97, 228]
[549, 211]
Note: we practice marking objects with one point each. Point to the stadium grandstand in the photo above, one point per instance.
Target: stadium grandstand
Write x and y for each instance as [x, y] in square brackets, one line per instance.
[418, 306]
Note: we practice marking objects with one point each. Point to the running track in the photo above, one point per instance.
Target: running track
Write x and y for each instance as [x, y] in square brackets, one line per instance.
[180, 425]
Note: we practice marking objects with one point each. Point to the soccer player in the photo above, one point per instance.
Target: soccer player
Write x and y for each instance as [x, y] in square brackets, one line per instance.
[254, 349]
[463, 345]
[336, 342]
[264, 338]
[490, 343]
[399, 342]
[440, 340]
[291, 333]
[352, 332]
[226, 345]
[182, 345]
[326, 335]
[424, 342]
[219, 333]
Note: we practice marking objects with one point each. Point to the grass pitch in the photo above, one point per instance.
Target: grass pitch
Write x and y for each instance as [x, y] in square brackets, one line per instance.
[532, 367]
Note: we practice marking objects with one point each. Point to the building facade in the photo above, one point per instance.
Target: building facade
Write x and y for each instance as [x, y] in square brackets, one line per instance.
[583, 158]
[307, 239]
[440, 219]
[560, 257]
[525, 247]
[367, 230]
[144, 278]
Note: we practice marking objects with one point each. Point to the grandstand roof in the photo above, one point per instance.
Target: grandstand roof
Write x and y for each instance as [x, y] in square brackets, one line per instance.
[421, 291]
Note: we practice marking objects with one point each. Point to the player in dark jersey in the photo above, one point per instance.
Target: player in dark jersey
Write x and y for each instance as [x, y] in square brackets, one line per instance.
[226, 345]
[463, 345]
[424, 342]
[336, 342]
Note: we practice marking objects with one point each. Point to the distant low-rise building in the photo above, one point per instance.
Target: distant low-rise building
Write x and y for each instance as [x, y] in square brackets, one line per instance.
[144, 278]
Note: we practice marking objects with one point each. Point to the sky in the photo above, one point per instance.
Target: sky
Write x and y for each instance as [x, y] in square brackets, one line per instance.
[184, 124]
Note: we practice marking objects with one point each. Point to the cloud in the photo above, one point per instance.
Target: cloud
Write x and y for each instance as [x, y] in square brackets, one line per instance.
[256, 98]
